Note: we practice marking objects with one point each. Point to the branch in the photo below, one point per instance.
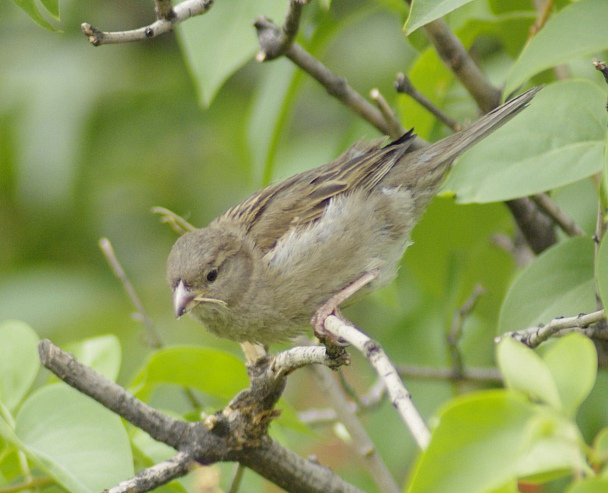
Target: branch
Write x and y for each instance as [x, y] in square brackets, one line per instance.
[108, 251]
[346, 414]
[536, 228]
[400, 397]
[404, 85]
[456, 328]
[113, 396]
[456, 57]
[236, 433]
[164, 9]
[167, 19]
[291, 472]
[275, 43]
[602, 67]
[551, 209]
[534, 336]
[367, 401]
[542, 18]
[328, 416]
[335, 86]
[491, 375]
[301, 356]
[152, 477]
[396, 130]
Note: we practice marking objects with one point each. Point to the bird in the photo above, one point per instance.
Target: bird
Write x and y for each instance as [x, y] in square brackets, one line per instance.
[262, 270]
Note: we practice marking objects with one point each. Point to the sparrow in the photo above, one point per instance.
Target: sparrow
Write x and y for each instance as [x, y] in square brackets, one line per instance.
[260, 271]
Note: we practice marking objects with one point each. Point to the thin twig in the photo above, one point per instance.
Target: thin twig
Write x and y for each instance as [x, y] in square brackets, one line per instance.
[328, 416]
[237, 477]
[534, 336]
[536, 227]
[177, 223]
[602, 67]
[35, 484]
[158, 474]
[346, 414]
[396, 130]
[370, 400]
[456, 57]
[404, 85]
[181, 12]
[335, 86]
[400, 397]
[551, 209]
[456, 329]
[163, 9]
[542, 18]
[154, 338]
[277, 45]
[488, 375]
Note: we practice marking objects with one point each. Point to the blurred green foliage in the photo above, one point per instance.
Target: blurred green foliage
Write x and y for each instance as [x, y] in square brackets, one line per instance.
[92, 138]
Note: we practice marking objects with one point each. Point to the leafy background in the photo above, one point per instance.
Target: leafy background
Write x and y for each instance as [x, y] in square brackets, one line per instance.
[92, 139]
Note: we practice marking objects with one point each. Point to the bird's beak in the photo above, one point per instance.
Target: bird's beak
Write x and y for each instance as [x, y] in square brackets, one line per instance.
[183, 299]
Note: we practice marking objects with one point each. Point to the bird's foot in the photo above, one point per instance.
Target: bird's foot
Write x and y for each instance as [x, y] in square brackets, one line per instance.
[335, 346]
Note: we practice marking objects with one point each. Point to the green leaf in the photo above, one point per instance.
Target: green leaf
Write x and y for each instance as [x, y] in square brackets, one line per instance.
[424, 11]
[8, 433]
[477, 442]
[486, 440]
[552, 448]
[30, 7]
[600, 443]
[511, 29]
[509, 487]
[102, 354]
[535, 152]
[602, 271]
[19, 361]
[223, 40]
[562, 375]
[525, 371]
[557, 283]
[271, 105]
[589, 485]
[77, 441]
[52, 6]
[215, 372]
[572, 361]
[501, 7]
[584, 22]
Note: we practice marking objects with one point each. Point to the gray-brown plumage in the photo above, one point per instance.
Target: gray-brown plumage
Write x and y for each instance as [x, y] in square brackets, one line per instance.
[260, 271]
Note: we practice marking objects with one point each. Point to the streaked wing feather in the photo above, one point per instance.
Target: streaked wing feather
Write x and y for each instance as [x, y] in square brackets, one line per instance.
[300, 200]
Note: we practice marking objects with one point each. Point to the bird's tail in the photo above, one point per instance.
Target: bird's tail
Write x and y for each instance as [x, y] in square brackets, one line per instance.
[422, 171]
[453, 146]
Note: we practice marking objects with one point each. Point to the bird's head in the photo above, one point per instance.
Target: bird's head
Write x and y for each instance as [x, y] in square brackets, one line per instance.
[209, 267]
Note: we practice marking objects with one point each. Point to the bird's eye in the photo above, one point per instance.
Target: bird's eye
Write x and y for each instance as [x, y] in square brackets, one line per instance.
[212, 275]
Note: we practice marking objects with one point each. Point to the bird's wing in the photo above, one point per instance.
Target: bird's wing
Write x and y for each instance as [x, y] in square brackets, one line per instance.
[300, 200]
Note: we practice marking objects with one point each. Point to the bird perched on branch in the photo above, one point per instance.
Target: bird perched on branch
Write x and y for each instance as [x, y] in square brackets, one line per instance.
[261, 271]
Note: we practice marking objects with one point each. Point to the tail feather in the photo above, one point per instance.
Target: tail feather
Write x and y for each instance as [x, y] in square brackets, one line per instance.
[453, 146]
[424, 169]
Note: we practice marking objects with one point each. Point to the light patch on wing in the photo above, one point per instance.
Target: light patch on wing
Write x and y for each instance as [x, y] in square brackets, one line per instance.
[357, 233]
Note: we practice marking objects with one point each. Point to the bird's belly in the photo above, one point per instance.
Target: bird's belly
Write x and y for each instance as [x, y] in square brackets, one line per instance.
[357, 234]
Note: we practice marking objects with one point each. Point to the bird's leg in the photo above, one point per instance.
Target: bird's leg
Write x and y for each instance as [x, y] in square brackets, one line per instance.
[335, 346]
[253, 352]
